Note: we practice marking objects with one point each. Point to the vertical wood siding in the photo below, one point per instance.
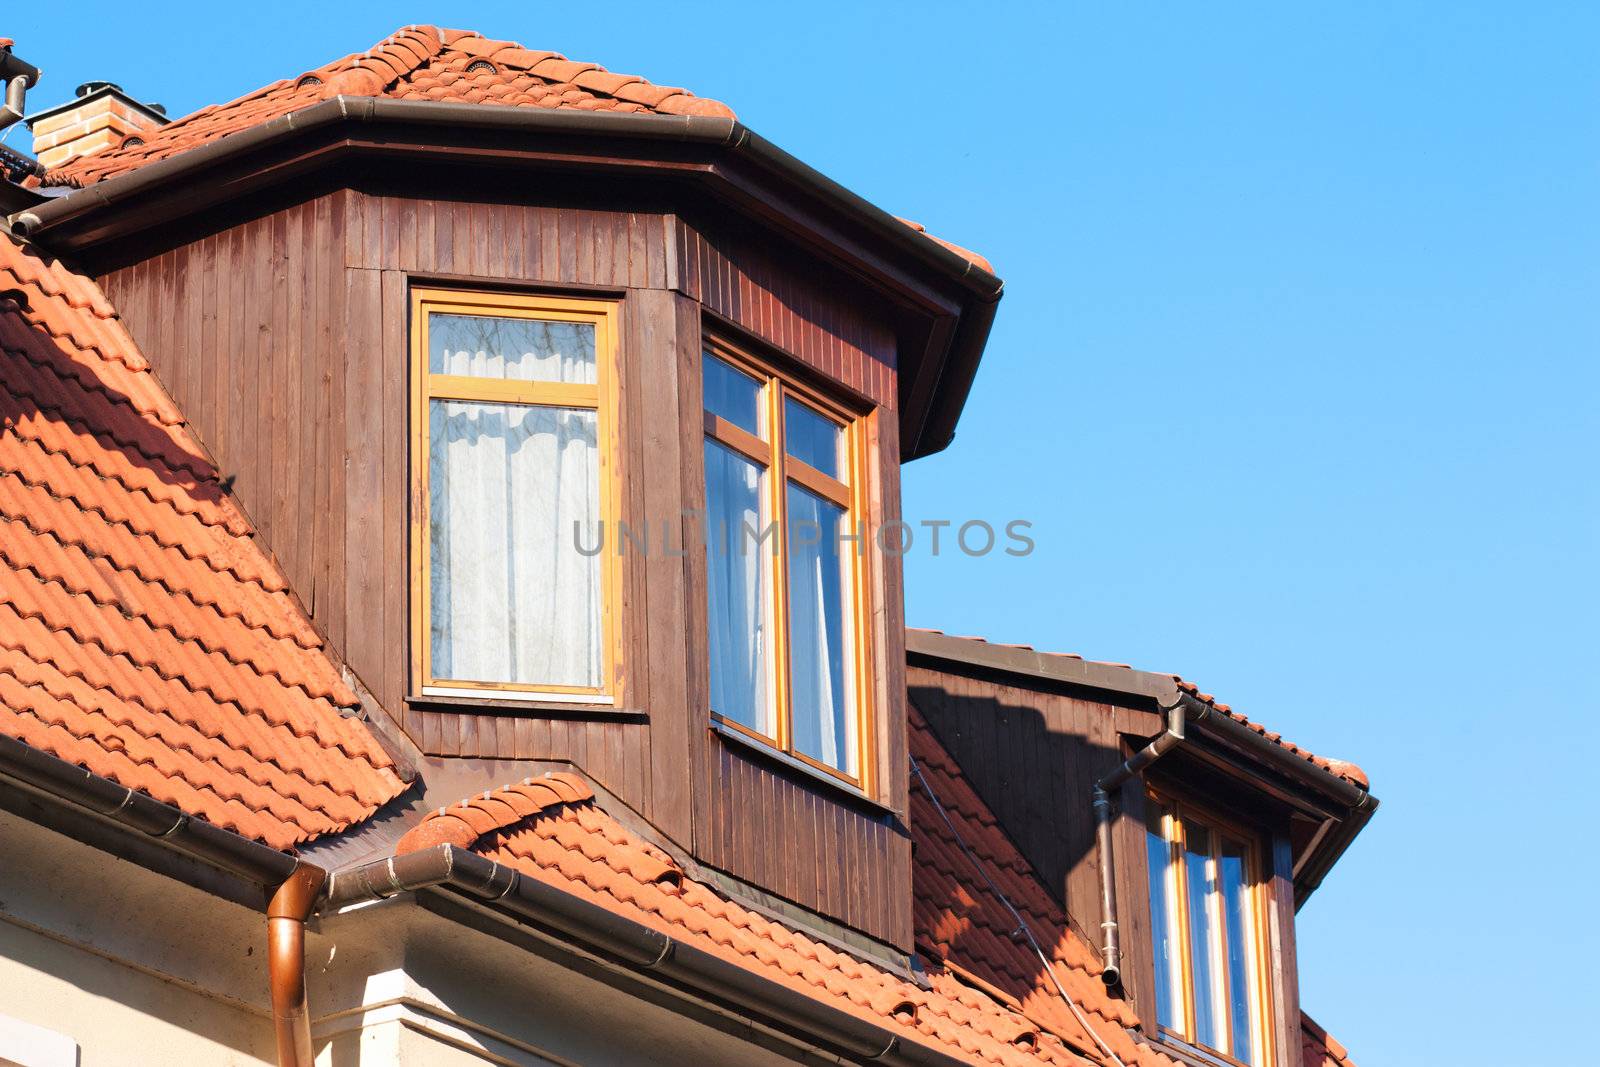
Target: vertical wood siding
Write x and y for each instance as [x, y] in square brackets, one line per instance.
[284, 341]
[1033, 757]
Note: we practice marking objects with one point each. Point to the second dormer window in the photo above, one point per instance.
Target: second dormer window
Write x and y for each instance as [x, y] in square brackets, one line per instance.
[785, 556]
[511, 430]
[1206, 917]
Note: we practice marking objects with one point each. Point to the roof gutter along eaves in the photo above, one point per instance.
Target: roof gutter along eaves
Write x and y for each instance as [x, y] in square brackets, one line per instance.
[295, 884]
[702, 129]
[981, 289]
[632, 947]
[69, 784]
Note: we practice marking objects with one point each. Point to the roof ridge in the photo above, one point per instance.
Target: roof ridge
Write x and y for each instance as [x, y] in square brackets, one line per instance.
[369, 73]
[461, 824]
[555, 69]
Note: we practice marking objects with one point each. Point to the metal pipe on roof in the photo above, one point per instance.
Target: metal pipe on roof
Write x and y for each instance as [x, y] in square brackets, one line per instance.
[626, 945]
[19, 76]
[1171, 738]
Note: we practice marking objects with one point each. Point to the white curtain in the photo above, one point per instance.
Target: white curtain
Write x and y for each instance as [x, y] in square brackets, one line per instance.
[524, 350]
[737, 569]
[818, 676]
[512, 598]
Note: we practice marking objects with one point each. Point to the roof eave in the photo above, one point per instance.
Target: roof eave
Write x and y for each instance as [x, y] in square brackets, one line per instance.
[1354, 804]
[109, 209]
[137, 827]
[625, 946]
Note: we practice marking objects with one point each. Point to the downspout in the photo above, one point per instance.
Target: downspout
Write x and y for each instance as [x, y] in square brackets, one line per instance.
[1171, 738]
[286, 962]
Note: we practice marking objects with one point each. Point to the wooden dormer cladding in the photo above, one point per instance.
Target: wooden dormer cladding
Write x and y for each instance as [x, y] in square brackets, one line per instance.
[1032, 749]
[283, 339]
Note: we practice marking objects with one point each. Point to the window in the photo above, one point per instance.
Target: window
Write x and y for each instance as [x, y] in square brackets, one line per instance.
[1206, 916]
[785, 561]
[511, 427]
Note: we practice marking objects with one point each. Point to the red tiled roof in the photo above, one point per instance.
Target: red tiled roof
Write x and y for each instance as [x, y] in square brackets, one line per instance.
[990, 1000]
[414, 63]
[143, 634]
[420, 63]
[550, 828]
[1343, 768]
[961, 923]
[1318, 1049]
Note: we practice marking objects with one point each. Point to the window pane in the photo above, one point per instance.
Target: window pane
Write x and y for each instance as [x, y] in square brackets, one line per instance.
[811, 438]
[524, 350]
[823, 714]
[512, 600]
[738, 563]
[1202, 933]
[1232, 873]
[1158, 855]
[732, 394]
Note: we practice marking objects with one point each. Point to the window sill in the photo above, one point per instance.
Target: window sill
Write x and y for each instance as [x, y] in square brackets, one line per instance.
[1177, 1048]
[530, 706]
[767, 752]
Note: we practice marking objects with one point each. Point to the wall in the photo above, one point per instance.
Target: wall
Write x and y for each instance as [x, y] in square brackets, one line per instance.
[283, 339]
[140, 970]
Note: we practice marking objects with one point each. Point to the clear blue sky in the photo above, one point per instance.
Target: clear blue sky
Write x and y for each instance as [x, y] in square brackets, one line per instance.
[1295, 376]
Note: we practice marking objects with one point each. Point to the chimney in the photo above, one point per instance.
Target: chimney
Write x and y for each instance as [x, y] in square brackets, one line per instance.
[101, 117]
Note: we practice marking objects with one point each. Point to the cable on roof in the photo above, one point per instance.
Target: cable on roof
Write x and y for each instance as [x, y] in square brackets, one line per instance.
[1022, 925]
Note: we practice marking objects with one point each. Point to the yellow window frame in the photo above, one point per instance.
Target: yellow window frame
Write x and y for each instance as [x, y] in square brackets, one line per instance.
[1176, 817]
[771, 454]
[601, 398]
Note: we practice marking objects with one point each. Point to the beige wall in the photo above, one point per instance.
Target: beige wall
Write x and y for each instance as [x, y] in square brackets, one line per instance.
[142, 971]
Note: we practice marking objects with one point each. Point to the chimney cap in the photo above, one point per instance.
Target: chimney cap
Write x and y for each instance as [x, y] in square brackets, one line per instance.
[94, 90]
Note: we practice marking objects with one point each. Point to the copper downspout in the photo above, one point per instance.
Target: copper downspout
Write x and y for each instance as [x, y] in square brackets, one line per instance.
[286, 962]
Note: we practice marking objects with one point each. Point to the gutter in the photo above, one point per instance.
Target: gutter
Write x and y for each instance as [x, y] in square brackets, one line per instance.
[298, 883]
[1183, 711]
[728, 134]
[68, 216]
[625, 945]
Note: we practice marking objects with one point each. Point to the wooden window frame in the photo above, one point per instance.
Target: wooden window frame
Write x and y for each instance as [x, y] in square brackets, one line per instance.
[1180, 812]
[601, 398]
[777, 385]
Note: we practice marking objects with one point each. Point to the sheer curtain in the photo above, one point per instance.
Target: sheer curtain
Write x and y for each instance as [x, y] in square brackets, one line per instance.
[512, 599]
[736, 572]
[822, 722]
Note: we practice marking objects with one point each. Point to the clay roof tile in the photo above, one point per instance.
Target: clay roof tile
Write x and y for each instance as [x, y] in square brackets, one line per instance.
[143, 634]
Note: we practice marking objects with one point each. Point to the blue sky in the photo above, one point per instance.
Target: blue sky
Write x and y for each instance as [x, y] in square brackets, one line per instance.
[1295, 378]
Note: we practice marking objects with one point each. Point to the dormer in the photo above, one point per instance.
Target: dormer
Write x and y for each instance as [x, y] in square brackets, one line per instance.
[1179, 837]
[571, 409]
